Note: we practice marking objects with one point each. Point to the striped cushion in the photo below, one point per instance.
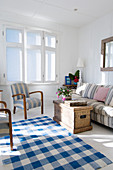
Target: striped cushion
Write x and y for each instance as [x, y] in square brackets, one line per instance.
[30, 103]
[90, 90]
[109, 96]
[19, 88]
[4, 125]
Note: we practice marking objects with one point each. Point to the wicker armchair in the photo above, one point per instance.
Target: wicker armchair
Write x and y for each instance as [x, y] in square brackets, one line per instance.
[6, 123]
[23, 100]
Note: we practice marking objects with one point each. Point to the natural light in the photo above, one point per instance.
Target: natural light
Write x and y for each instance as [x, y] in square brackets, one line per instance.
[106, 140]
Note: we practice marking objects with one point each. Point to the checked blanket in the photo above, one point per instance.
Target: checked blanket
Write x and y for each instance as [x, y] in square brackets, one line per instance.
[41, 143]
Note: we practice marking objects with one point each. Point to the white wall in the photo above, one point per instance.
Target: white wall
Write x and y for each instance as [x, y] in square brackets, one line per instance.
[89, 43]
[67, 54]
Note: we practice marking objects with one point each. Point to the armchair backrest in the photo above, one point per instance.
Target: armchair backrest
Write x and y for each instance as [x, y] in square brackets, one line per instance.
[19, 88]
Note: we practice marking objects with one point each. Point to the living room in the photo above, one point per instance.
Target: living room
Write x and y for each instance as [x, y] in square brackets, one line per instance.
[79, 28]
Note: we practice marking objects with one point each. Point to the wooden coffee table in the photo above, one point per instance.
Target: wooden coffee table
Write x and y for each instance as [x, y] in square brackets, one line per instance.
[75, 119]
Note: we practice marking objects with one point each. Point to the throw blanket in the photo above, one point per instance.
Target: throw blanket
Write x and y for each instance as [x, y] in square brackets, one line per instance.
[41, 143]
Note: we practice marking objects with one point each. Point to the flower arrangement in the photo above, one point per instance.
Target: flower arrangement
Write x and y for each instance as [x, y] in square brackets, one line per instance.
[74, 77]
[64, 92]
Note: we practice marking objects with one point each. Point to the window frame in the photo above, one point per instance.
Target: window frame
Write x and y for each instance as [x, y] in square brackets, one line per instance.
[24, 48]
[32, 47]
[51, 49]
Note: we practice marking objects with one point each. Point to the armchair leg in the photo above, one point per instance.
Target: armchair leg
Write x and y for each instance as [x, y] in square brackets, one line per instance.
[11, 140]
[10, 130]
[25, 113]
[41, 103]
[42, 109]
[14, 110]
[25, 110]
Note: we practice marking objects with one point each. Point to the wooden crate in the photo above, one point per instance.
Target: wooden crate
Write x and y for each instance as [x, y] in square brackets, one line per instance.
[75, 119]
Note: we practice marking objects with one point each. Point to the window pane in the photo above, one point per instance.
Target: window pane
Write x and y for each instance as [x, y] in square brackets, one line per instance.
[50, 41]
[14, 64]
[50, 66]
[33, 38]
[14, 36]
[109, 54]
[33, 65]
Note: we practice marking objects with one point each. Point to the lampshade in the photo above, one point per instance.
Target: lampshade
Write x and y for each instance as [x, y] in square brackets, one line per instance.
[80, 63]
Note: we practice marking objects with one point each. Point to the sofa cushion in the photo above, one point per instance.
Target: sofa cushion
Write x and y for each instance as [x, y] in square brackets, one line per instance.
[109, 96]
[101, 94]
[111, 102]
[80, 88]
[100, 107]
[90, 90]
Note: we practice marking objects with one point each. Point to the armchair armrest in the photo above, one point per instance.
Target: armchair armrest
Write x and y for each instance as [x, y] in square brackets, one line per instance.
[20, 94]
[36, 92]
[4, 103]
[41, 99]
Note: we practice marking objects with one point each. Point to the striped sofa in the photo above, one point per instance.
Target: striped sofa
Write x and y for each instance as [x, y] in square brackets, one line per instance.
[102, 111]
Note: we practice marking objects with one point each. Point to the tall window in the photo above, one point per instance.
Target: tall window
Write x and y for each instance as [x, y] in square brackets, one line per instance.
[50, 57]
[33, 59]
[14, 54]
[31, 56]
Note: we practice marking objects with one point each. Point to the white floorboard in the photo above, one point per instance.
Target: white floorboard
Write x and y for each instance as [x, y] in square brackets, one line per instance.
[100, 137]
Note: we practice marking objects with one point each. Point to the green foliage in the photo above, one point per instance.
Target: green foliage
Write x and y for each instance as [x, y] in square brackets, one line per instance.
[72, 77]
[77, 74]
[63, 91]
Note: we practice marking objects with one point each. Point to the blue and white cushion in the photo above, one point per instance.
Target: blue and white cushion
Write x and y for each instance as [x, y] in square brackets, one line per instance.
[30, 103]
[19, 88]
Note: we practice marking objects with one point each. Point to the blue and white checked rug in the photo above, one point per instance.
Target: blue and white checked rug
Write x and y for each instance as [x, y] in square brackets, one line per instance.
[41, 143]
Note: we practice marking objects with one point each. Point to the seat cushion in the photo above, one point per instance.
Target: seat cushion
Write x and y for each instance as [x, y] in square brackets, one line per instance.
[98, 107]
[30, 103]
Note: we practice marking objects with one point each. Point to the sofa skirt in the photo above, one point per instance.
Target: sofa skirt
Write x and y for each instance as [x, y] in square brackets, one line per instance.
[105, 120]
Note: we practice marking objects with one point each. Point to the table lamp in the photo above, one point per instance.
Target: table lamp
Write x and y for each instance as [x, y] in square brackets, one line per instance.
[80, 64]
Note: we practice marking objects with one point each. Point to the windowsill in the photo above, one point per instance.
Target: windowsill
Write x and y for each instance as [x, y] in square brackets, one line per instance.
[55, 83]
[38, 84]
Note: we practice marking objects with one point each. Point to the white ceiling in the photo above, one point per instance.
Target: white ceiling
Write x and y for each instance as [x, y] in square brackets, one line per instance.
[59, 11]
